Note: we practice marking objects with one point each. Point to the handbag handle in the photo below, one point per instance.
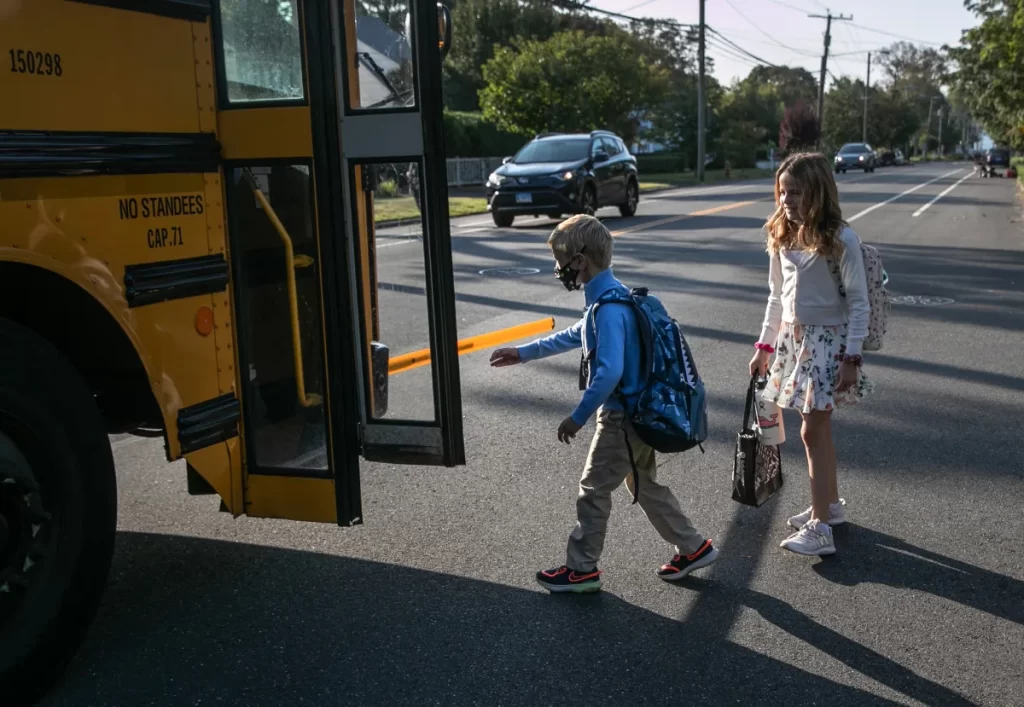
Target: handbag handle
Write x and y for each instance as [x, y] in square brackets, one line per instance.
[748, 408]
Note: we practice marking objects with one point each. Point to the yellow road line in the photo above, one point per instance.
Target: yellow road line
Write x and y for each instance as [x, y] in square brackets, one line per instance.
[683, 217]
[415, 359]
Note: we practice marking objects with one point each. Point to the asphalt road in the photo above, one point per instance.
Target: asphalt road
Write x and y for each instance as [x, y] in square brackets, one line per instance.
[432, 600]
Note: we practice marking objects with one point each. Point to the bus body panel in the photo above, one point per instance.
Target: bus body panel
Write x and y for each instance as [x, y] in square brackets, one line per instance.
[60, 72]
[92, 231]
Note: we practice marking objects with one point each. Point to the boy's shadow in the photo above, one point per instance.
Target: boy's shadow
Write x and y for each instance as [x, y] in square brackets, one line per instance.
[883, 559]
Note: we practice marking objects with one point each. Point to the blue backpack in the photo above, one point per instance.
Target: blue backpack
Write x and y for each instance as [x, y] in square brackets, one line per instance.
[670, 414]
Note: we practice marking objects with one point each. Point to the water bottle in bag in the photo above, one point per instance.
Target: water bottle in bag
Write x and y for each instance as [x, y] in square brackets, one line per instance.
[769, 425]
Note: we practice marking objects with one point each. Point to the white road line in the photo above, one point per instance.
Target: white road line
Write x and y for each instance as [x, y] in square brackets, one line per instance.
[401, 242]
[868, 210]
[944, 192]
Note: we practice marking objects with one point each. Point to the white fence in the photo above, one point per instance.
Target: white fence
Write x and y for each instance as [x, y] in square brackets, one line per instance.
[471, 171]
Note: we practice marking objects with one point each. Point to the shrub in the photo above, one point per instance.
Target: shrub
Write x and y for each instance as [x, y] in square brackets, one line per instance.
[386, 189]
[468, 135]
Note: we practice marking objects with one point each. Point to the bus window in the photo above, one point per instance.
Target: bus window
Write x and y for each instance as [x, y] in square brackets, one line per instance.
[384, 54]
[262, 48]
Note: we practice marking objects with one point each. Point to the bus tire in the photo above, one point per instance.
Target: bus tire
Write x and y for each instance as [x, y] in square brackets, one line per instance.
[58, 509]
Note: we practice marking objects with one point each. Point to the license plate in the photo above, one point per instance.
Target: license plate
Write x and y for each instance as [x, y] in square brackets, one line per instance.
[526, 198]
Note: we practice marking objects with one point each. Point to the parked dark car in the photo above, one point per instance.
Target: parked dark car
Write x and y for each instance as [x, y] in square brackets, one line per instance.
[998, 157]
[855, 155]
[891, 157]
[557, 173]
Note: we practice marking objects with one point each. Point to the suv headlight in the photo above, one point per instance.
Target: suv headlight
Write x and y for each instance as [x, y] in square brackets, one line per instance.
[495, 180]
[564, 176]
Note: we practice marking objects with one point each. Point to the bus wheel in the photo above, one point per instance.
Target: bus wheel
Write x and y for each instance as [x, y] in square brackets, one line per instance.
[58, 512]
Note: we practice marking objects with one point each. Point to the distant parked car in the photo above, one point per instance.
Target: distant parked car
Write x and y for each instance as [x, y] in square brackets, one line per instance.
[855, 155]
[890, 158]
[558, 173]
[998, 157]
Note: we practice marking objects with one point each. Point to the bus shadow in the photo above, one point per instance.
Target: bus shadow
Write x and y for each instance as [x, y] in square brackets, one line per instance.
[190, 621]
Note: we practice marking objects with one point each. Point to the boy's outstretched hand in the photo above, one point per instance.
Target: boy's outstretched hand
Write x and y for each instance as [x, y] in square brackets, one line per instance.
[505, 357]
[567, 430]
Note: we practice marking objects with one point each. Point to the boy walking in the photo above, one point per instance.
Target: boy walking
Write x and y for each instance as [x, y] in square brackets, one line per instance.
[611, 366]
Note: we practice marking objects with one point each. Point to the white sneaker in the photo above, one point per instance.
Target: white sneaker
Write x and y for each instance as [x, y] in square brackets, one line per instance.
[815, 538]
[836, 515]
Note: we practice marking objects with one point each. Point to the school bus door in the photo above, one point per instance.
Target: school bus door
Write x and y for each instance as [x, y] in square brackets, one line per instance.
[300, 143]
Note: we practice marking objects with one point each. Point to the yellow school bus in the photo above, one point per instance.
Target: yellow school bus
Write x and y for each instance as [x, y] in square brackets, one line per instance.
[188, 251]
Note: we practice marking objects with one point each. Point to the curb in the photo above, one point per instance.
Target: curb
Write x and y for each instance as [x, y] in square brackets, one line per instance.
[670, 187]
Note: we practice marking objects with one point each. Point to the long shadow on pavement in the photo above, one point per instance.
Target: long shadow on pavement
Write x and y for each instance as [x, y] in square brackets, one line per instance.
[870, 556]
[190, 620]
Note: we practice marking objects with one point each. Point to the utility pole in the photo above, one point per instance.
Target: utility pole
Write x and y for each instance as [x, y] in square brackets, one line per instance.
[940, 132]
[928, 125]
[701, 107]
[824, 65]
[867, 88]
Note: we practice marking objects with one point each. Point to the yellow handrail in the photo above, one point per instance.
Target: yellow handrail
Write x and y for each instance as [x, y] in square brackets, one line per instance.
[305, 399]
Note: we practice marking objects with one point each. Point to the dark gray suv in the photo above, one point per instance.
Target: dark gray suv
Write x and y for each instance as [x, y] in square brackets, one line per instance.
[558, 173]
[855, 155]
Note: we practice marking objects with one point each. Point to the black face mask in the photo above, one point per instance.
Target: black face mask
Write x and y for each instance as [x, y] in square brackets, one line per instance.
[567, 275]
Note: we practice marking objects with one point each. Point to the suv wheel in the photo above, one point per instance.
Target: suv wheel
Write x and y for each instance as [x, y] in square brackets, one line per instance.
[589, 200]
[632, 199]
[502, 220]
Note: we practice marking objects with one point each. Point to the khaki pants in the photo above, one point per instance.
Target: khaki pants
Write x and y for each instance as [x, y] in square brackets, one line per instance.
[607, 466]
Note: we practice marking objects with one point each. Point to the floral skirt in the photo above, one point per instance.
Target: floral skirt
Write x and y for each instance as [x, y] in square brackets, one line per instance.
[806, 369]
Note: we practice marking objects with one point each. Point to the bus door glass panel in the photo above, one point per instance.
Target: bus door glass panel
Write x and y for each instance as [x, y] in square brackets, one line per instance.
[281, 348]
[394, 167]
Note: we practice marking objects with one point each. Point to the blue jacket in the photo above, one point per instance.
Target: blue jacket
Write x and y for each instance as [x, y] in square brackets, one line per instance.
[613, 336]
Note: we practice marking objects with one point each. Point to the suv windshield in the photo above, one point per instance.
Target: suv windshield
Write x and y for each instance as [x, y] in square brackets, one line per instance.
[855, 149]
[553, 151]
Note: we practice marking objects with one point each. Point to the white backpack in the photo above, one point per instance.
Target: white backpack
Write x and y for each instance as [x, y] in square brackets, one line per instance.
[878, 295]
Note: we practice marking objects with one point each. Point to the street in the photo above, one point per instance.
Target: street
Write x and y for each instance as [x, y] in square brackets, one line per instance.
[432, 601]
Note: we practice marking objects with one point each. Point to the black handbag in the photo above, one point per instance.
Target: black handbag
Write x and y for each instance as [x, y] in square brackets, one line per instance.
[757, 468]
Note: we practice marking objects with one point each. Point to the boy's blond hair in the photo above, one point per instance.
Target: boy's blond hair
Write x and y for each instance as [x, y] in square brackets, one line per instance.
[582, 234]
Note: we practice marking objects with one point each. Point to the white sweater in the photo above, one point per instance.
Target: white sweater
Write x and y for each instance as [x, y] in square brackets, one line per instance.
[803, 291]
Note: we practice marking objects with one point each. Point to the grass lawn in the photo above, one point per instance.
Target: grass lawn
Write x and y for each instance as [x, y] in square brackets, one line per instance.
[405, 207]
[649, 182]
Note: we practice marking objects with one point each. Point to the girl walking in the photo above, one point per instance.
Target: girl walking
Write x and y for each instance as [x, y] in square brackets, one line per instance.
[815, 322]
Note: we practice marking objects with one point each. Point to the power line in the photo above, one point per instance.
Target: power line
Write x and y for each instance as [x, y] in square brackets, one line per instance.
[786, 4]
[740, 49]
[733, 54]
[638, 6]
[859, 51]
[755, 26]
[574, 5]
[897, 36]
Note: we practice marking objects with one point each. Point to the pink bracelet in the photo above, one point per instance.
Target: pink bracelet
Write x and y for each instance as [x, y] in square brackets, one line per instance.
[765, 347]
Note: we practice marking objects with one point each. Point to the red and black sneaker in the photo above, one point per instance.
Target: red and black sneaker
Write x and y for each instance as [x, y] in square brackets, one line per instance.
[682, 565]
[563, 579]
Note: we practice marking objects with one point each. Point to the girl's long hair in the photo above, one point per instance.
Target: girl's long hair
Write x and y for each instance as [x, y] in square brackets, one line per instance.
[824, 221]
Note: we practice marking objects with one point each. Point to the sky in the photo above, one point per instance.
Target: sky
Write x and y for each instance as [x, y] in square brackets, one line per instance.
[779, 31]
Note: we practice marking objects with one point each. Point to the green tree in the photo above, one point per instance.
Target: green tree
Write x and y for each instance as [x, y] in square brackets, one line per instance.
[913, 77]
[761, 98]
[481, 26]
[571, 82]
[892, 115]
[989, 72]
